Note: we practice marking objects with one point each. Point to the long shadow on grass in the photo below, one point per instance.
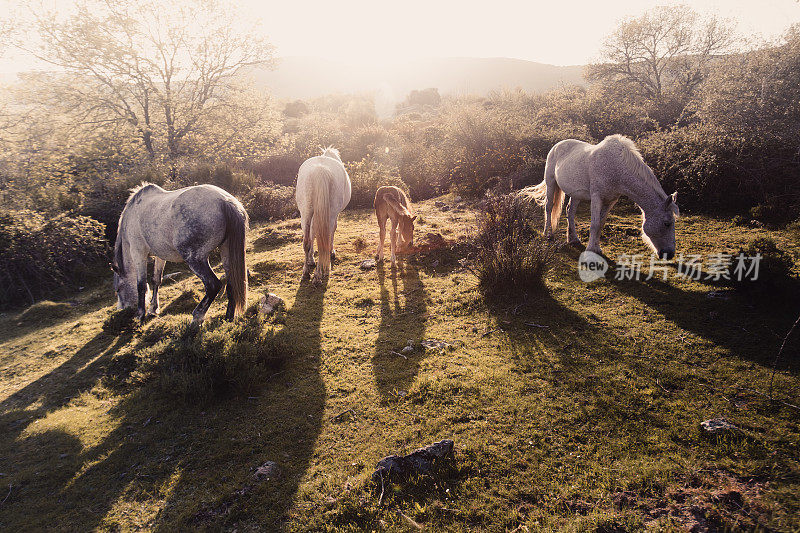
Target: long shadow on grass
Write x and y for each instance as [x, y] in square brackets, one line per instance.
[194, 462]
[736, 325]
[403, 317]
[559, 353]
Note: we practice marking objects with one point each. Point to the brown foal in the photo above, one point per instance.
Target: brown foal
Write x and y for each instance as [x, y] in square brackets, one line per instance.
[392, 203]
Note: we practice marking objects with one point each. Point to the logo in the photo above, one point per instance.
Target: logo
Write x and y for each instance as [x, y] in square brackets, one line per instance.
[591, 266]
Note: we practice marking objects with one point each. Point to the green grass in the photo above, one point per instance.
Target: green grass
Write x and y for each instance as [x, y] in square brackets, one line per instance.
[590, 423]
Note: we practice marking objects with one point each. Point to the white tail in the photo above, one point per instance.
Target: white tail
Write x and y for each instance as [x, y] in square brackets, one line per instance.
[321, 182]
[537, 193]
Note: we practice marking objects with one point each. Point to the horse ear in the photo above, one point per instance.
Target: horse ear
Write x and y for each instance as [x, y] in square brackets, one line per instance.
[114, 268]
[675, 197]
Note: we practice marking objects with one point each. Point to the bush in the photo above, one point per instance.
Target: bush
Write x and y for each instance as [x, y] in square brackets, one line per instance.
[366, 176]
[204, 364]
[38, 255]
[279, 168]
[270, 202]
[512, 257]
[775, 277]
[725, 172]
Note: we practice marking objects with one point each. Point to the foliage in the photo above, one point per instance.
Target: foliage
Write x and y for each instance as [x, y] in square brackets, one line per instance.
[663, 54]
[115, 57]
[775, 276]
[366, 176]
[204, 364]
[270, 202]
[39, 254]
[512, 257]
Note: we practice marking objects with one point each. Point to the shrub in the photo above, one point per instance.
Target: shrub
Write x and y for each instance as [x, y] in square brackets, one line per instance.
[725, 172]
[38, 255]
[270, 202]
[204, 364]
[512, 256]
[366, 176]
[279, 168]
[775, 277]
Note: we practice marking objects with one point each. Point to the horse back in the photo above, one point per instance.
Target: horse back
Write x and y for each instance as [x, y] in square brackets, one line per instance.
[189, 221]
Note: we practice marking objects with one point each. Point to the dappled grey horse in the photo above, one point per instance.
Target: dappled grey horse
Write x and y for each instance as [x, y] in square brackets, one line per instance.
[601, 173]
[183, 225]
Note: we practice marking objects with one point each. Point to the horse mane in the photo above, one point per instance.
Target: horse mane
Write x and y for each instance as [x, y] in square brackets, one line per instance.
[136, 193]
[332, 152]
[633, 160]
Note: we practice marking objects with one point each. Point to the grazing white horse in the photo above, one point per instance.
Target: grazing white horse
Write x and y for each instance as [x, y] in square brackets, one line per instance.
[183, 225]
[601, 173]
[323, 191]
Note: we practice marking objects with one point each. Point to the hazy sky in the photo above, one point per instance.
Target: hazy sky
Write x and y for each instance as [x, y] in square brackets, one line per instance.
[561, 32]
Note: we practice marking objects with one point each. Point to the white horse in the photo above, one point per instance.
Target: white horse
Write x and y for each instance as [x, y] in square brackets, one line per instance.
[601, 173]
[183, 225]
[323, 191]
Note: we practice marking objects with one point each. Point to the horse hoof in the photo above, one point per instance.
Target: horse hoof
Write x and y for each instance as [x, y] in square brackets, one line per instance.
[333, 256]
[154, 312]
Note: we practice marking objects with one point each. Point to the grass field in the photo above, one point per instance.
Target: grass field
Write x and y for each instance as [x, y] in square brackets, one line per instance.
[576, 408]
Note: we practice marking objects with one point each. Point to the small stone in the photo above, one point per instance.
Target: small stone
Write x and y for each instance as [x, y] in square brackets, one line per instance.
[425, 462]
[267, 471]
[717, 426]
[270, 303]
[410, 342]
[407, 349]
[457, 199]
[445, 208]
[368, 264]
[438, 203]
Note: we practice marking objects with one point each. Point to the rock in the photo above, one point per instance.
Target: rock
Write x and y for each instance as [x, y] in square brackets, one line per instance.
[719, 295]
[368, 264]
[407, 349]
[425, 461]
[270, 303]
[438, 203]
[457, 199]
[717, 427]
[437, 344]
[410, 342]
[267, 471]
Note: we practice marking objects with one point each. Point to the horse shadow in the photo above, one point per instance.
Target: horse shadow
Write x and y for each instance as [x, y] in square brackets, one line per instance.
[555, 350]
[403, 316]
[198, 458]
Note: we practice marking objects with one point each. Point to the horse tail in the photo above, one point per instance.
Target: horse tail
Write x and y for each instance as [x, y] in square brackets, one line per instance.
[236, 225]
[321, 183]
[538, 193]
[558, 205]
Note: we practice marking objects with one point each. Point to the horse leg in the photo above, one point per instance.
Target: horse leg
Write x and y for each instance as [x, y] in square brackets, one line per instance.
[381, 238]
[158, 271]
[572, 234]
[600, 211]
[139, 263]
[333, 231]
[393, 239]
[229, 313]
[308, 248]
[211, 282]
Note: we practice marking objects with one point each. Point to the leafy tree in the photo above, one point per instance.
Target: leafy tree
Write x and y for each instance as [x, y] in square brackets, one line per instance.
[664, 55]
[157, 67]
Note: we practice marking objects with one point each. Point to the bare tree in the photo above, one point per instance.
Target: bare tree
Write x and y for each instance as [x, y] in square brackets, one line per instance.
[666, 51]
[157, 66]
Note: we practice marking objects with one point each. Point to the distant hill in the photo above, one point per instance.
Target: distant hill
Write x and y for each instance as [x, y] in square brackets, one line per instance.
[308, 77]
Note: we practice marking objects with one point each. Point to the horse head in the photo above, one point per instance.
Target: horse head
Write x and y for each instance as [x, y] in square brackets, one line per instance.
[658, 227]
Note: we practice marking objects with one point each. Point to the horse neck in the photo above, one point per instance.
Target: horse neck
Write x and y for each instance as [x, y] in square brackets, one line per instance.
[643, 194]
